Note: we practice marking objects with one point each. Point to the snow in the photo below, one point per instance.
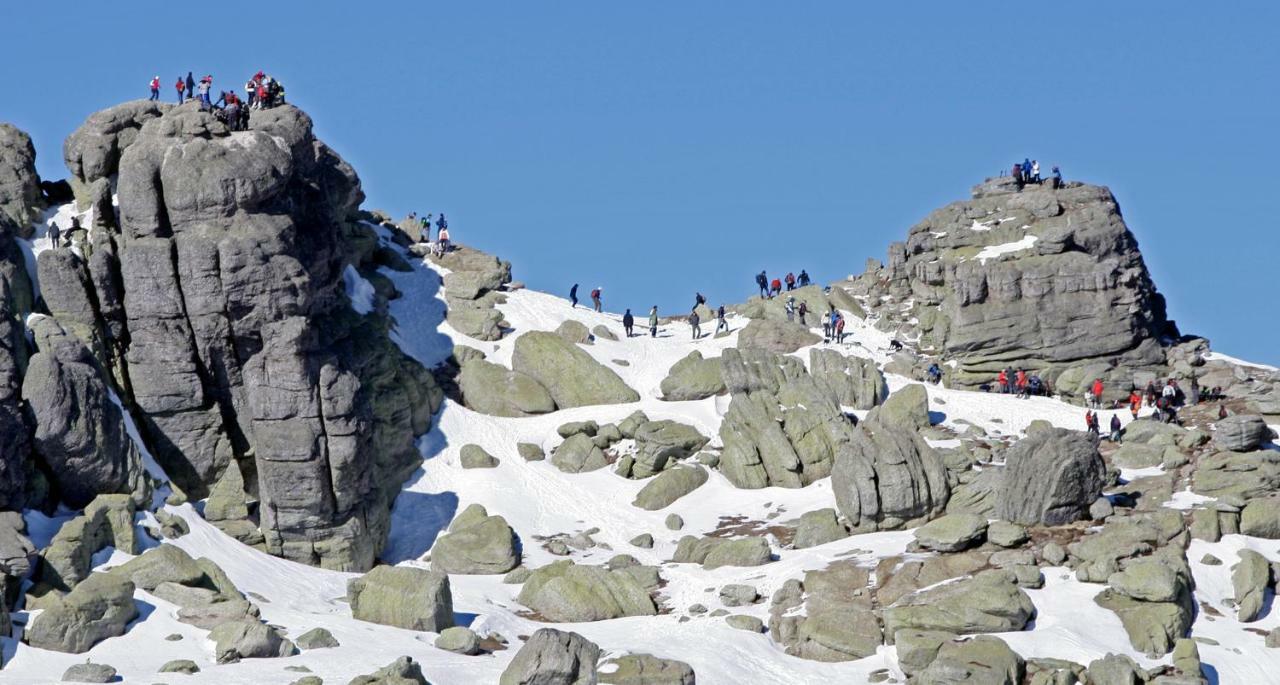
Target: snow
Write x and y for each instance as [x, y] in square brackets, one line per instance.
[540, 501]
[1220, 357]
[994, 251]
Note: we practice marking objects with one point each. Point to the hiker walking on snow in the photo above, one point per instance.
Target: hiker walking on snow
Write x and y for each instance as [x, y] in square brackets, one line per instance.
[1115, 428]
[840, 329]
[1135, 403]
[720, 320]
[1021, 380]
[1002, 379]
[627, 320]
[573, 298]
[595, 297]
[1091, 422]
[155, 88]
[653, 322]
[443, 240]
[695, 323]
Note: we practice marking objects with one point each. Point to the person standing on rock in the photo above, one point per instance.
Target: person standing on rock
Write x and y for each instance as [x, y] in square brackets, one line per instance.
[181, 85]
[1091, 422]
[155, 88]
[1097, 393]
[790, 281]
[804, 278]
[424, 229]
[441, 223]
[698, 299]
[721, 323]
[573, 298]
[1017, 174]
[804, 309]
[1135, 403]
[763, 281]
[653, 322]
[442, 240]
[628, 321]
[1057, 178]
[191, 86]
[791, 309]
[695, 324]
[55, 234]
[840, 329]
[1035, 171]
[595, 298]
[1115, 428]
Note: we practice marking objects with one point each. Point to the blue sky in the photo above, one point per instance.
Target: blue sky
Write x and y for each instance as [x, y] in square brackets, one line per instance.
[658, 149]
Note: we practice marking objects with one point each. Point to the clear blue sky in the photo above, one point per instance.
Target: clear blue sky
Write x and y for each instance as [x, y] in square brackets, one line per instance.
[661, 148]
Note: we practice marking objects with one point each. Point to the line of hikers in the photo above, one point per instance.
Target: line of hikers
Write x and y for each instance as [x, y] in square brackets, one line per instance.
[261, 92]
[770, 289]
[1019, 383]
[1028, 171]
[442, 243]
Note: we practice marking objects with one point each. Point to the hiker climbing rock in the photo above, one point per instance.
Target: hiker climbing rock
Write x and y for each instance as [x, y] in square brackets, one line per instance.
[791, 308]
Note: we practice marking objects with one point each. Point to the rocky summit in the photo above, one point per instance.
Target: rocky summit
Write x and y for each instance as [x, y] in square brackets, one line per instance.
[280, 430]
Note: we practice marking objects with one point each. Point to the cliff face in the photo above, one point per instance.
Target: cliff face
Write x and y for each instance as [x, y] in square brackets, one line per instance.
[1040, 279]
[214, 306]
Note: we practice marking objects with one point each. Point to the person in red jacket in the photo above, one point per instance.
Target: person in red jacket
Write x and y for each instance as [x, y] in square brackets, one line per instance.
[1022, 383]
[181, 85]
[775, 287]
[155, 88]
[1003, 379]
[1097, 392]
[791, 281]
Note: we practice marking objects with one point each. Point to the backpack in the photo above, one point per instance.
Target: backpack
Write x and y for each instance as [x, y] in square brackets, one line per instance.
[595, 293]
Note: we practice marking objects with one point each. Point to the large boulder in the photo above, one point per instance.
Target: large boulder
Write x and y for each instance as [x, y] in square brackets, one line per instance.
[693, 378]
[248, 639]
[1152, 596]
[837, 623]
[952, 533]
[1250, 578]
[106, 522]
[660, 444]
[983, 659]
[989, 602]
[80, 431]
[780, 337]
[553, 657]
[1240, 433]
[782, 428]
[93, 150]
[565, 592]
[1041, 279]
[1050, 478]
[713, 553]
[98, 608]
[887, 476]
[645, 669]
[476, 543]
[669, 486]
[402, 596]
[492, 389]
[855, 382]
[20, 196]
[1243, 475]
[568, 373]
[163, 564]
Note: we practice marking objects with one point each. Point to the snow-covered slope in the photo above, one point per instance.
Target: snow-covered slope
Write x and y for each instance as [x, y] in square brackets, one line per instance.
[540, 501]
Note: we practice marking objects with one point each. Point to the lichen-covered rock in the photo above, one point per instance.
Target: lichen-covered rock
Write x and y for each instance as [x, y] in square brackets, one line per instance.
[669, 486]
[693, 378]
[166, 563]
[1246, 475]
[404, 597]
[952, 533]
[575, 332]
[89, 672]
[565, 592]
[99, 607]
[107, 521]
[1240, 433]
[248, 639]
[475, 457]
[887, 476]
[837, 624]
[660, 444]
[458, 640]
[1050, 478]
[317, 638]
[570, 375]
[402, 671]
[645, 669]
[855, 382]
[553, 657]
[819, 527]
[578, 454]
[989, 602]
[981, 660]
[20, 196]
[1154, 624]
[476, 543]
[1250, 579]
[713, 553]
[780, 337]
[494, 390]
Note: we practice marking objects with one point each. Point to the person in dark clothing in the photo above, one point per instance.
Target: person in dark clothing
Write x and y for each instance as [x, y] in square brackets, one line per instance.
[763, 281]
[191, 86]
[1115, 428]
[804, 278]
[233, 116]
[698, 299]
[627, 319]
[894, 345]
[55, 234]
[804, 309]
[695, 323]
[573, 297]
[720, 320]
[1017, 175]
[441, 223]
[934, 373]
[1057, 178]
[1222, 411]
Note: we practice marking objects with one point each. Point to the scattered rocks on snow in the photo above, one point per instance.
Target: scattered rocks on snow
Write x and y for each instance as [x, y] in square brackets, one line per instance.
[317, 638]
[819, 527]
[99, 607]
[952, 533]
[402, 671]
[645, 669]
[989, 602]
[459, 640]
[1250, 578]
[982, 659]
[713, 553]
[89, 673]
[402, 596]
[566, 592]
[570, 375]
[1240, 433]
[248, 639]
[474, 457]
[553, 657]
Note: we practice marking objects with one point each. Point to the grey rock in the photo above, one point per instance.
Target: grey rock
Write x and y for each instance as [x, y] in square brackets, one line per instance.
[552, 657]
[1051, 478]
[983, 659]
[1240, 433]
[643, 541]
[166, 563]
[99, 607]
[1116, 669]
[660, 444]
[745, 622]
[645, 669]
[1250, 578]
[476, 543]
[693, 378]
[107, 521]
[474, 457]
[1100, 509]
[248, 639]
[855, 382]
[568, 593]
[184, 666]
[517, 575]
[317, 638]
[89, 673]
[403, 597]
[574, 331]
[578, 454]
[673, 522]
[402, 671]
[669, 486]
[212, 615]
[818, 528]
[1241, 475]
[738, 594]
[1261, 518]
[94, 149]
[713, 553]
[1006, 534]
[573, 377]
[952, 533]
[987, 603]
[918, 648]
[20, 196]
[780, 337]
[530, 452]
[602, 332]
[458, 640]
[495, 390]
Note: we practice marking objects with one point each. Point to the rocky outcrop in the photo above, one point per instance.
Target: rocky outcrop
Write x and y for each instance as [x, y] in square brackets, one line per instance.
[1050, 478]
[782, 428]
[565, 592]
[713, 553]
[780, 337]
[20, 196]
[552, 657]
[402, 671]
[887, 476]
[80, 431]
[986, 603]
[217, 307]
[107, 522]
[1040, 279]
[98, 608]
[248, 639]
[855, 382]
[1240, 433]
[645, 669]
[570, 375]
[693, 378]
[669, 486]
[837, 624]
[495, 390]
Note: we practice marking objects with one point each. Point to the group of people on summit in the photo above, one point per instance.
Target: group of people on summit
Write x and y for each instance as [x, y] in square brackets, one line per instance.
[1028, 171]
[261, 91]
[771, 289]
[441, 244]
